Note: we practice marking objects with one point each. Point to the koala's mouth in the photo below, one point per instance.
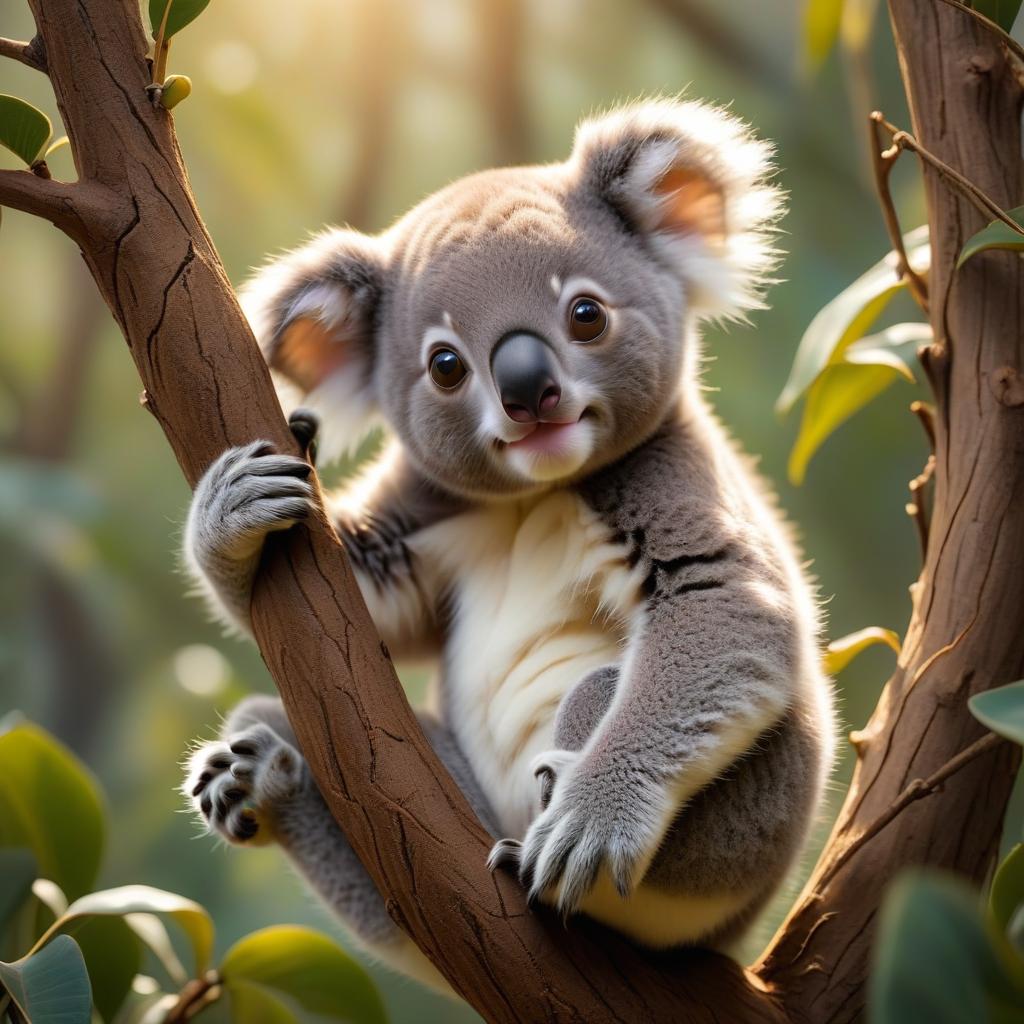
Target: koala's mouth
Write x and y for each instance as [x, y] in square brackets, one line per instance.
[551, 449]
[546, 436]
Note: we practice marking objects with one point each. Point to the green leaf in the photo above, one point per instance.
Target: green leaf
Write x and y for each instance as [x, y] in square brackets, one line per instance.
[55, 145]
[996, 236]
[151, 930]
[894, 346]
[50, 803]
[143, 899]
[1002, 12]
[834, 397]
[302, 967]
[17, 873]
[841, 652]
[1007, 893]
[24, 129]
[252, 1004]
[821, 29]
[937, 960]
[113, 957]
[183, 12]
[848, 316]
[1001, 710]
[51, 986]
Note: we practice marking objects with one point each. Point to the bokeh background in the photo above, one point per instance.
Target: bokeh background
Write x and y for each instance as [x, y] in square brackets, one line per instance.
[350, 111]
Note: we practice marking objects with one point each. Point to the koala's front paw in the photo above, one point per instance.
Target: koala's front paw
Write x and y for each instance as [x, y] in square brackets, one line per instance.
[592, 821]
[237, 784]
[247, 493]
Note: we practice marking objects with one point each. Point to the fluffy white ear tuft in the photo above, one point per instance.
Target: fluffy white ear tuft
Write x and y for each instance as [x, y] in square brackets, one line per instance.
[312, 312]
[696, 181]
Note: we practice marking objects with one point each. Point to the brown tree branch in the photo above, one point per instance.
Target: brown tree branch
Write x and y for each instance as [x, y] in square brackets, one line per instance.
[32, 53]
[52, 200]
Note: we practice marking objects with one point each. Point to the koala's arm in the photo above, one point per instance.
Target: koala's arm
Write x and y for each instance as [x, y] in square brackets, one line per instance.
[712, 663]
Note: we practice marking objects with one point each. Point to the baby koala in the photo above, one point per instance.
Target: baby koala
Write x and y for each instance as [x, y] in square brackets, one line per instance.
[628, 689]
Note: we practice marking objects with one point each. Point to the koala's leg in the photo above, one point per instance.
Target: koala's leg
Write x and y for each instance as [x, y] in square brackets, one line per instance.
[253, 787]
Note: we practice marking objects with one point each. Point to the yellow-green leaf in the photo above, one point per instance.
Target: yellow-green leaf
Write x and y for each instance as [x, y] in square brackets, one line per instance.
[17, 872]
[113, 957]
[841, 652]
[24, 129]
[50, 803]
[996, 236]
[183, 12]
[175, 89]
[300, 967]
[848, 316]
[54, 146]
[834, 397]
[821, 29]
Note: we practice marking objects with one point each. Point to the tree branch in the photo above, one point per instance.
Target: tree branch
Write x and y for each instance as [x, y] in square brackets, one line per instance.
[32, 54]
[55, 201]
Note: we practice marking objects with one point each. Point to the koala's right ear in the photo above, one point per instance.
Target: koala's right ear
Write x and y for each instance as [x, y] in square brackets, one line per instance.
[312, 311]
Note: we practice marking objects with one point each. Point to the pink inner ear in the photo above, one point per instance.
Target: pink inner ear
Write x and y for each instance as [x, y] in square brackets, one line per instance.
[307, 353]
[691, 204]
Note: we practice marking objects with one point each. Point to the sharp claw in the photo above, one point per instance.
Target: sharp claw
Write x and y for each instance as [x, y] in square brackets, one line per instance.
[504, 854]
[244, 748]
[547, 786]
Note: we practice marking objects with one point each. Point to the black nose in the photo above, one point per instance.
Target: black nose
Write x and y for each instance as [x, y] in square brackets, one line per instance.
[525, 376]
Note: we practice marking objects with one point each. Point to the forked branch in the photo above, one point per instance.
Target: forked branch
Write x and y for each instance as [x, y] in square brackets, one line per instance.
[32, 54]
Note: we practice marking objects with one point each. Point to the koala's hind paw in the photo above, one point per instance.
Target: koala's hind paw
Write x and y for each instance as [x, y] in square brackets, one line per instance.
[237, 784]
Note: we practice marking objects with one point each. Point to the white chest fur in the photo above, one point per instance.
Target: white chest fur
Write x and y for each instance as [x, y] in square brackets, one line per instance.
[541, 596]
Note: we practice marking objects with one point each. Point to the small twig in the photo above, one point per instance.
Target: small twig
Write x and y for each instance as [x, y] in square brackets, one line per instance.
[917, 506]
[195, 995]
[916, 790]
[882, 160]
[904, 140]
[32, 54]
[1004, 37]
[926, 414]
[161, 47]
[38, 195]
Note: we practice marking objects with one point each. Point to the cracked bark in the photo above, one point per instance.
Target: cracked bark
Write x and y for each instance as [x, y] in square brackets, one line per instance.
[134, 218]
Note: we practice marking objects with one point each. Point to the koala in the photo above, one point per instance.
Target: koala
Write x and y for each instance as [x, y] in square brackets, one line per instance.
[629, 688]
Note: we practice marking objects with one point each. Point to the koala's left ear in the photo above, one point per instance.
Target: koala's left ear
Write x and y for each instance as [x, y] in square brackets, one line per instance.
[694, 180]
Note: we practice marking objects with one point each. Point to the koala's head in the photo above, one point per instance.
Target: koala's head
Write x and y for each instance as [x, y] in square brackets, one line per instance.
[530, 325]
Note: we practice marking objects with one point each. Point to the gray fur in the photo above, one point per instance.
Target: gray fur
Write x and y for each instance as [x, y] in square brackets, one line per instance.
[693, 766]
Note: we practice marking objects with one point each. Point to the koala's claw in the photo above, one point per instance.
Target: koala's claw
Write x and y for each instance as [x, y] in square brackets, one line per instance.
[504, 854]
[305, 424]
[237, 785]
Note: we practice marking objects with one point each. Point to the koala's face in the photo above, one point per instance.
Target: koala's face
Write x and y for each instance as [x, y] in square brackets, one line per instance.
[527, 338]
[524, 327]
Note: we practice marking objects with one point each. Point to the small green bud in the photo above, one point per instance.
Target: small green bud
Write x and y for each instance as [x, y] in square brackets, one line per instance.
[176, 88]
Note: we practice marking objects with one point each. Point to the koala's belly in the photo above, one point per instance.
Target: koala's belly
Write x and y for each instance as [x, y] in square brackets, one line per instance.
[542, 596]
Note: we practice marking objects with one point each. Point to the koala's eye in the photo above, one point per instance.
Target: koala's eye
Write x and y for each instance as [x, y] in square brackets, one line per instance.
[446, 369]
[587, 319]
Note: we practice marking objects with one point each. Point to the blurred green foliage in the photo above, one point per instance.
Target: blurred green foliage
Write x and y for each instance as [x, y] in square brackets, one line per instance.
[327, 111]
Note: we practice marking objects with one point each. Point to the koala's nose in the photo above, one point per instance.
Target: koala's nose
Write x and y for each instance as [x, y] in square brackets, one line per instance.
[524, 373]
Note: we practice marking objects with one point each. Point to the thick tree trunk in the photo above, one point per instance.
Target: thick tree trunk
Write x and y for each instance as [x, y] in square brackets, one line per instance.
[967, 630]
[134, 217]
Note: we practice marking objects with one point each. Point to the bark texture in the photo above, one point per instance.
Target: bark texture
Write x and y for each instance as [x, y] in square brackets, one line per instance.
[134, 217]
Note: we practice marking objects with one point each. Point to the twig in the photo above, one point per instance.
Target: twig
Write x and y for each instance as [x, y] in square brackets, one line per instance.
[916, 790]
[32, 193]
[926, 414]
[194, 996]
[32, 54]
[916, 507]
[904, 140]
[882, 161]
[1004, 37]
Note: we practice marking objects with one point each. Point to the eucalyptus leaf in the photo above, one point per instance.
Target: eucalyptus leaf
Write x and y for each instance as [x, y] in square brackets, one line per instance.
[253, 1004]
[143, 899]
[302, 967]
[833, 398]
[894, 346]
[51, 986]
[1002, 12]
[1001, 710]
[17, 873]
[183, 12]
[848, 316]
[24, 129]
[56, 145]
[50, 803]
[996, 235]
[841, 652]
[1006, 896]
[936, 959]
